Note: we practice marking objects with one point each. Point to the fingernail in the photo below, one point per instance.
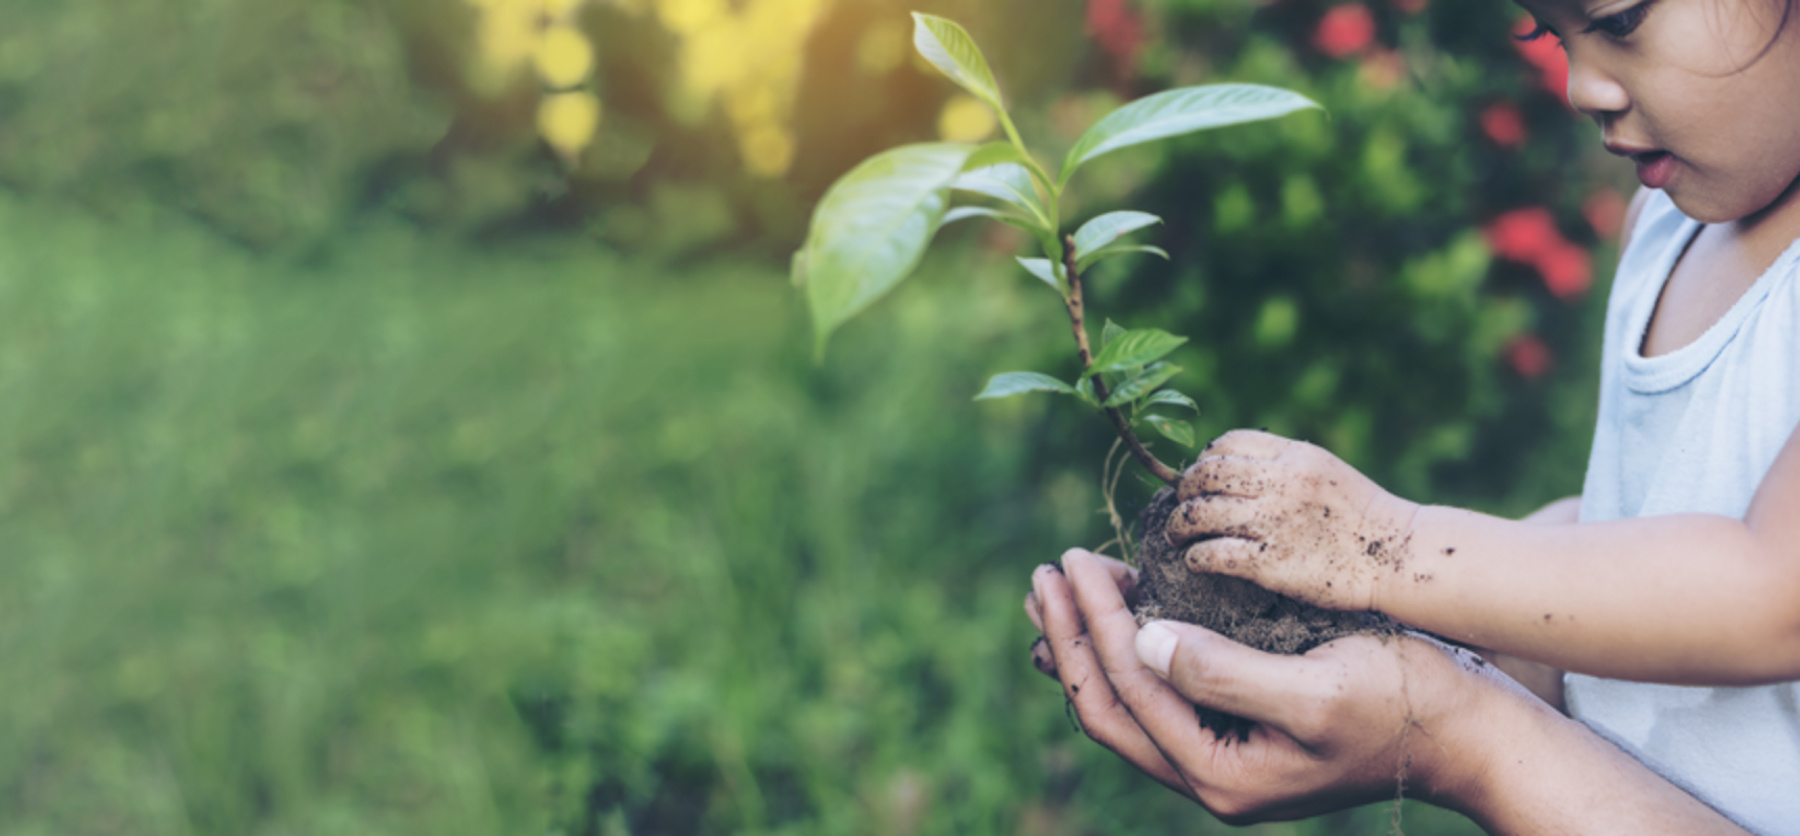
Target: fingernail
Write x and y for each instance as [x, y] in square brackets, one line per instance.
[1156, 647]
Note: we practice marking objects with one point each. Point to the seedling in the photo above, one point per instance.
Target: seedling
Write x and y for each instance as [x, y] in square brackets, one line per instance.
[873, 225]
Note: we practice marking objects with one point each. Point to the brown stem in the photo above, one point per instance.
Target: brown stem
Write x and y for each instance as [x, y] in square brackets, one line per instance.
[1123, 427]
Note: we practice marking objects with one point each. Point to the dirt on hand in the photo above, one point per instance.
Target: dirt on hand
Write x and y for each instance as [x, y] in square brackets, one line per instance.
[1238, 609]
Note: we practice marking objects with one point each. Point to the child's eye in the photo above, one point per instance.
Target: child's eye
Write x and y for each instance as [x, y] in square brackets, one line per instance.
[1621, 24]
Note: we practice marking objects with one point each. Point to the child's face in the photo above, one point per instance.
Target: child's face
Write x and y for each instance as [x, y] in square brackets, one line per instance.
[1677, 85]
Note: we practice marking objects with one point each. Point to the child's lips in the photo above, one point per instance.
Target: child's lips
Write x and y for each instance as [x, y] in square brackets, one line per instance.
[1654, 168]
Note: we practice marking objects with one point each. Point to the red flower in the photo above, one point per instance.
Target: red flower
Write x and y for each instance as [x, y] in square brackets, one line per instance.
[1120, 32]
[1566, 269]
[1345, 30]
[1546, 54]
[1529, 236]
[1605, 212]
[1520, 235]
[1529, 356]
[1503, 124]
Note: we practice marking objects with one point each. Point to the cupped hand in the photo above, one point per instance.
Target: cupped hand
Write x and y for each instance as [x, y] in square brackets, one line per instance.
[1342, 725]
[1292, 518]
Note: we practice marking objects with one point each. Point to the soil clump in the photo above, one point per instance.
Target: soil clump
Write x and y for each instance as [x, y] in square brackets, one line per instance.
[1239, 609]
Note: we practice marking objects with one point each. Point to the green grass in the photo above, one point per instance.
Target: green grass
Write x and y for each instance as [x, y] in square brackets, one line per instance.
[419, 538]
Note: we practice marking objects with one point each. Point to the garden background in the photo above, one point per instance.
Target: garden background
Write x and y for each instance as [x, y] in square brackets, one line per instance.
[407, 426]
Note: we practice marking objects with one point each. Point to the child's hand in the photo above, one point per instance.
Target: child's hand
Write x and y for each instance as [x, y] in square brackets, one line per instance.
[1291, 518]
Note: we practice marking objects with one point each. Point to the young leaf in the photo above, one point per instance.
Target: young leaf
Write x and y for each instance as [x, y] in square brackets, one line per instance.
[871, 227]
[1143, 383]
[1137, 347]
[1104, 253]
[995, 153]
[1183, 110]
[1043, 268]
[963, 213]
[949, 48]
[1180, 432]
[1084, 389]
[1112, 329]
[1008, 183]
[1171, 397]
[1018, 383]
[1107, 228]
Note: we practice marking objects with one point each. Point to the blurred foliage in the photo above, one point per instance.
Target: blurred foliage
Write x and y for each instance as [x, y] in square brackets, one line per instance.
[515, 505]
[1362, 279]
[264, 119]
[425, 539]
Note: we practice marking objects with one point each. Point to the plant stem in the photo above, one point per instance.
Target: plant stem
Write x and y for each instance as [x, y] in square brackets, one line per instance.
[1077, 321]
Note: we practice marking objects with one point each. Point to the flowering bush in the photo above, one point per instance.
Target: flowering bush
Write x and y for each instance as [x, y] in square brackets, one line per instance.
[1410, 284]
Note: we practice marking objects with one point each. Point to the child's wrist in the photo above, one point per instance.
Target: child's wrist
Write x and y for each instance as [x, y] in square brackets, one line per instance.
[1394, 569]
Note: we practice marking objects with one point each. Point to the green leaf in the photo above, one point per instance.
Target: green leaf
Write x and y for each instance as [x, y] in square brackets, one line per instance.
[1084, 389]
[1137, 347]
[1180, 432]
[949, 48]
[871, 227]
[995, 153]
[1143, 383]
[1050, 272]
[1008, 183]
[963, 213]
[1173, 398]
[1018, 383]
[1105, 253]
[1112, 330]
[1107, 228]
[1180, 111]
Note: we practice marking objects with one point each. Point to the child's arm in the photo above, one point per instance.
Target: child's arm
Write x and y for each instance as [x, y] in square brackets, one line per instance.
[1684, 599]
[1544, 681]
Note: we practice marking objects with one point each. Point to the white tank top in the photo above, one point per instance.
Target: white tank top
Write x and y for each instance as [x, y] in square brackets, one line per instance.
[1695, 430]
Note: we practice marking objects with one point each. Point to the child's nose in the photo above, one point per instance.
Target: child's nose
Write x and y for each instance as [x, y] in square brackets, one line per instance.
[1594, 91]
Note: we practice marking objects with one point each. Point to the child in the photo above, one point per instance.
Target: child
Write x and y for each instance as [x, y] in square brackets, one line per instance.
[1684, 568]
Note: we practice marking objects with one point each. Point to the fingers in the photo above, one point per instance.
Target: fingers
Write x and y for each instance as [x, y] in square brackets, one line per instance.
[1234, 556]
[1123, 575]
[1247, 444]
[1034, 612]
[1231, 515]
[1215, 475]
[1255, 444]
[1084, 678]
[1157, 709]
[1219, 673]
[1041, 658]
